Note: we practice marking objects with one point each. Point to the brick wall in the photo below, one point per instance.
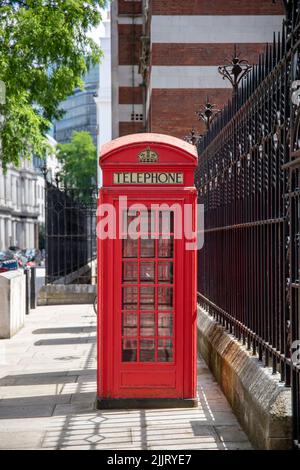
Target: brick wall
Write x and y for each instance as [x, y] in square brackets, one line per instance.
[202, 54]
[172, 106]
[173, 111]
[216, 7]
[128, 95]
[129, 43]
[126, 128]
[127, 7]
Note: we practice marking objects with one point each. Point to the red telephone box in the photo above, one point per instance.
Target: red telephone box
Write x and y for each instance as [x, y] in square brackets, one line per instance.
[147, 349]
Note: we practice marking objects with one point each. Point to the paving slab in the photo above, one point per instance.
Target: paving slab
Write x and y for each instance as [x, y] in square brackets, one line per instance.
[48, 390]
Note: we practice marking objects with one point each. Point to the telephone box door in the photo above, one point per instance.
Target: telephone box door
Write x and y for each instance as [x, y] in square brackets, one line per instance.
[148, 296]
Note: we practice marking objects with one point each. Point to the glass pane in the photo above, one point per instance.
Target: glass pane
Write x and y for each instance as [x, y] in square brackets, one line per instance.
[147, 307]
[129, 324]
[147, 351]
[166, 222]
[147, 324]
[147, 272]
[147, 296]
[129, 306]
[165, 350]
[165, 272]
[165, 324]
[129, 351]
[165, 248]
[165, 297]
[147, 248]
[130, 296]
[130, 248]
[129, 272]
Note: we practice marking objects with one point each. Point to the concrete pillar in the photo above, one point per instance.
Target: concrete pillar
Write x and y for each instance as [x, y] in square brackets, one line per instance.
[22, 190]
[15, 241]
[14, 190]
[32, 192]
[26, 230]
[30, 234]
[2, 192]
[26, 191]
[2, 234]
[36, 235]
[8, 188]
[9, 240]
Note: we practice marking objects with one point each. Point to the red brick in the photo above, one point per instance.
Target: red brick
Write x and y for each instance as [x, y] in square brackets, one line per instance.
[129, 8]
[216, 7]
[126, 128]
[203, 54]
[170, 116]
[129, 43]
[130, 95]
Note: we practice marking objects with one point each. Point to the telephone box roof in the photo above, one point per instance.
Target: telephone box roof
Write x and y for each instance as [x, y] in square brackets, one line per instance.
[136, 140]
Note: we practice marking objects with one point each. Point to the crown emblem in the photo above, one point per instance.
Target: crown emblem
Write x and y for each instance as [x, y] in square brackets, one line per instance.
[148, 156]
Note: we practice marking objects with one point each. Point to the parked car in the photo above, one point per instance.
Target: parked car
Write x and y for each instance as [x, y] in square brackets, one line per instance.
[21, 258]
[7, 261]
[33, 256]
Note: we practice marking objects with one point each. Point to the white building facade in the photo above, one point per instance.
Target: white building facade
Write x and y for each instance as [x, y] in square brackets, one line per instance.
[22, 202]
[18, 208]
[103, 98]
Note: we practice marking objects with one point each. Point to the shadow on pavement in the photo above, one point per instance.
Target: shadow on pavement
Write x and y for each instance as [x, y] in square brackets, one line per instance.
[58, 341]
[58, 377]
[70, 330]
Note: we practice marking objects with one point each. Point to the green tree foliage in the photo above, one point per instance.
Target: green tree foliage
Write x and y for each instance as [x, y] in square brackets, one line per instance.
[79, 160]
[44, 52]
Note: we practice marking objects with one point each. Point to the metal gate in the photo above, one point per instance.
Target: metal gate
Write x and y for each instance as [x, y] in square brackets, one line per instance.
[248, 181]
[70, 234]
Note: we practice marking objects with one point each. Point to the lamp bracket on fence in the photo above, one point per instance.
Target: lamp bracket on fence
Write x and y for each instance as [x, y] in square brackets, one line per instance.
[207, 113]
[235, 70]
[193, 137]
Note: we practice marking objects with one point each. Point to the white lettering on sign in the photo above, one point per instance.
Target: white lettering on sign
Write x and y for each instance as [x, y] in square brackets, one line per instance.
[148, 178]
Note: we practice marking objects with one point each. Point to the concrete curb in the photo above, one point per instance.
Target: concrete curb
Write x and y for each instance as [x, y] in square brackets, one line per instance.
[260, 401]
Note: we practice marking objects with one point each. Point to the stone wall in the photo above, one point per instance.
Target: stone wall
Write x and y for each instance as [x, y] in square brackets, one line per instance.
[59, 294]
[260, 401]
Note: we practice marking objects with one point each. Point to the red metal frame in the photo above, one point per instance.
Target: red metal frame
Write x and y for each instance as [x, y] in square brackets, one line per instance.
[120, 377]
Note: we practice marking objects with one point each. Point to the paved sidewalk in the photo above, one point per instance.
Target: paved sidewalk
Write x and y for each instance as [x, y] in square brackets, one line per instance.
[47, 393]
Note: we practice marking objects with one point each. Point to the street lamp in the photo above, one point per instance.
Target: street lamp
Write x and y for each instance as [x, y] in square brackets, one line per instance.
[235, 70]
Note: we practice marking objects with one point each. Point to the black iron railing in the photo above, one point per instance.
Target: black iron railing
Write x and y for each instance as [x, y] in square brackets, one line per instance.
[70, 234]
[248, 181]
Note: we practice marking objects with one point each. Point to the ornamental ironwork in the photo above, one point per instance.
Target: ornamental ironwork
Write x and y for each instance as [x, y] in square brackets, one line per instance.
[235, 70]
